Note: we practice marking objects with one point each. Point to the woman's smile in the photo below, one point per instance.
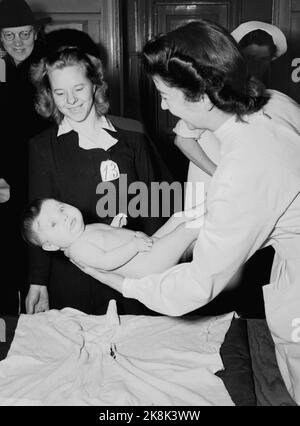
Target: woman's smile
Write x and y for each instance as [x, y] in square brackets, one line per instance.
[77, 109]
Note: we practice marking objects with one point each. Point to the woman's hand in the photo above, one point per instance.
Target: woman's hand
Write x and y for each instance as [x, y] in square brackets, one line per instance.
[37, 299]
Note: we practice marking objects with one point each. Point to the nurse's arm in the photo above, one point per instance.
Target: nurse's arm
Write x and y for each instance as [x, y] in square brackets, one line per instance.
[193, 151]
[243, 205]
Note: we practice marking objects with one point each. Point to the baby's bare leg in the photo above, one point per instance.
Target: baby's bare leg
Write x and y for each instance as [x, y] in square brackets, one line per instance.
[165, 253]
[181, 217]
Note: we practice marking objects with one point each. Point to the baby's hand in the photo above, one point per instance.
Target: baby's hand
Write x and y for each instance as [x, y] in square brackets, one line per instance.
[142, 242]
[119, 221]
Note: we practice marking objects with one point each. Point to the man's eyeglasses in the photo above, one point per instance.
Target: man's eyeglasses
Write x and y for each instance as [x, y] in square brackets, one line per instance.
[10, 36]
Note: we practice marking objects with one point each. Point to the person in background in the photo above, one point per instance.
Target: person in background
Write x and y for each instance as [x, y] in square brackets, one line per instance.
[20, 45]
[70, 161]
[261, 43]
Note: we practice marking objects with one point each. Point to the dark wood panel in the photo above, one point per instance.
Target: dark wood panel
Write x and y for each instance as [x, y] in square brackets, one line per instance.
[66, 6]
[170, 16]
[296, 5]
[257, 10]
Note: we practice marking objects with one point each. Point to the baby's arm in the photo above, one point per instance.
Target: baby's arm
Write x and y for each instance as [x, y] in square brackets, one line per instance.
[178, 218]
[92, 255]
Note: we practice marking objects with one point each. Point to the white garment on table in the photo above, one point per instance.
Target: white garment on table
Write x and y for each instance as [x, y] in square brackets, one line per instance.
[70, 358]
[253, 201]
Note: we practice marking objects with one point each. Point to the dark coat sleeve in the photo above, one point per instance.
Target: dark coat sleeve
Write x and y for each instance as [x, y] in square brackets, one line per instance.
[40, 186]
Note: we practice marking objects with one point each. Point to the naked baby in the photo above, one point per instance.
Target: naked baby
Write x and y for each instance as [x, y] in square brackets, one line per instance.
[54, 225]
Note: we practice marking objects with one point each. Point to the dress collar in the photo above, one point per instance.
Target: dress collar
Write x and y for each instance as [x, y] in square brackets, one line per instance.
[105, 140]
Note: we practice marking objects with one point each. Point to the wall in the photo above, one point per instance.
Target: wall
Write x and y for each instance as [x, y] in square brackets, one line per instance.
[256, 10]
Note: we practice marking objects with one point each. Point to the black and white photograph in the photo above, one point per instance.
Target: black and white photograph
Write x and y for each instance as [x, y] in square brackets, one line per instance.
[150, 206]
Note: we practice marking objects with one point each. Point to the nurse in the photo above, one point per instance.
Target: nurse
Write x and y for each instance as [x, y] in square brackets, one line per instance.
[254, 196]
[261, 44]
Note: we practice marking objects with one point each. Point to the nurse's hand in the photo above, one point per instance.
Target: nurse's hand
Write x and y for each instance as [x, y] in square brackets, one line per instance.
[37, 299]
[111, 279]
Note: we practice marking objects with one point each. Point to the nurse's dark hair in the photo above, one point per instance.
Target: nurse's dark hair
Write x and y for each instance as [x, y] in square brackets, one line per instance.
[63, 57]
[200, 58]
[28, 218]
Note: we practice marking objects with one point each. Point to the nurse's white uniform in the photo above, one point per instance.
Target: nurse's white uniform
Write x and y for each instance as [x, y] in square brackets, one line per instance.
[253, 200]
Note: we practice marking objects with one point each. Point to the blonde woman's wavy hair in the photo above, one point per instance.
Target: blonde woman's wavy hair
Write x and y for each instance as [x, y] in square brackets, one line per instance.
[65, 57]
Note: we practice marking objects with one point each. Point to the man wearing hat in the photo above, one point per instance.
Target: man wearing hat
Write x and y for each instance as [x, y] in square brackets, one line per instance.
[18, 123]
[261, 43]
[17, 29]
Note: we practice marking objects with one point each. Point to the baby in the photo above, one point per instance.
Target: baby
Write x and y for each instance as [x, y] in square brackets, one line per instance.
[54, 225]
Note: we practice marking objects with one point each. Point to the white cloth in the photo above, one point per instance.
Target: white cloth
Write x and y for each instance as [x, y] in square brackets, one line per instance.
[70, 358]
[105, 140]
[253, 200]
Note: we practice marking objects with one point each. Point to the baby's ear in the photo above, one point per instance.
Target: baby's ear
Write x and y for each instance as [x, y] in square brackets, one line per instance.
[50, 247]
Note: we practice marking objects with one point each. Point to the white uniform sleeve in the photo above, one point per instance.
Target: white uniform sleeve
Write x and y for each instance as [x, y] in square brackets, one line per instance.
[242, 205]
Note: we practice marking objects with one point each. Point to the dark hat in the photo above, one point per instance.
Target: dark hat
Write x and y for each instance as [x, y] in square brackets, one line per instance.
[15, 13]
[68, 37]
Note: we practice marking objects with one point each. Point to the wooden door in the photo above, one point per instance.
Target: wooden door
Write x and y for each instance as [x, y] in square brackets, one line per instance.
[99, 19]
[146, 18]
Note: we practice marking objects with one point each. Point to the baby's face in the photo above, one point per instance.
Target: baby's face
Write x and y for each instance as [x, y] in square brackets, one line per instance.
[58, 224]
